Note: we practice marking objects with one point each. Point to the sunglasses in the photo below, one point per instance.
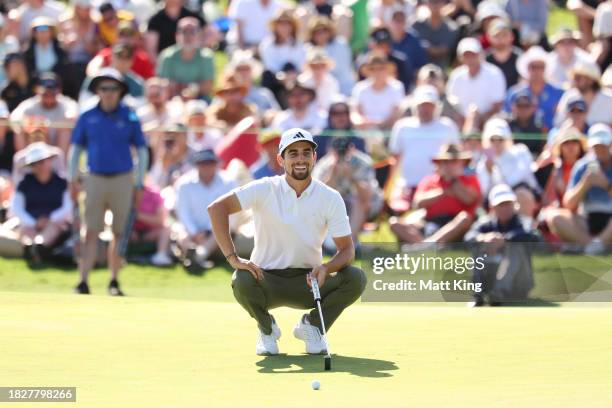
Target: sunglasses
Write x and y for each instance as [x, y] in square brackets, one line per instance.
[187, 31]
[42, 28]
[523, 105]
[577, 111]
[536, 66]
[496, 139]
[109, 88]
[339, 112]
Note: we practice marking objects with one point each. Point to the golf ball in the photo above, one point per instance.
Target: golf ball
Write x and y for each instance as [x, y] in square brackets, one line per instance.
[316, 385]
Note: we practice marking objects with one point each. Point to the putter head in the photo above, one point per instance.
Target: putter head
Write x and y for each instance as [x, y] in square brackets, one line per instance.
[327, 363]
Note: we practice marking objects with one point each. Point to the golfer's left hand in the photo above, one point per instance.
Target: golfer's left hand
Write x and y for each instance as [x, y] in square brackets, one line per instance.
[319, 273]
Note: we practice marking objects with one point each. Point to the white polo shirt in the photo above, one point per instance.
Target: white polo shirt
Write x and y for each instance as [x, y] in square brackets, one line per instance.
[289, 230]
[484, 90]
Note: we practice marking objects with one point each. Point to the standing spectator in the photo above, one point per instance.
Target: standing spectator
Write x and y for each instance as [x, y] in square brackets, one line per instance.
[415, 140]
[585, 11]
[323, 34]
[407, 40]
[532, 67]
[44, 52]
[589, 188]
[41, 202]
[301, 112]
[381, 11]
[586, 84]
[502, 53]
[230, 107]
[171, 158]
[317, 75]
[341, 14]
[350, 172]
[377, 98]
[503, 236]
[50, 105]
[107, 139]
[162, 28]
[195, 191]
[565, 55]
[529, 18]
[601, 49]
[449, 198]
[475, 82]
[440, 33]
[523, 120]
[108, 26]
[507, 163]
[200, 136]
[268, 166]
[186, 62]
[19, 86]
[251, 21]
[21, 18]
[8, 45]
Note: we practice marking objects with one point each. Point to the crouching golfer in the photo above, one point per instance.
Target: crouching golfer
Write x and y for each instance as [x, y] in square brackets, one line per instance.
[292, 215]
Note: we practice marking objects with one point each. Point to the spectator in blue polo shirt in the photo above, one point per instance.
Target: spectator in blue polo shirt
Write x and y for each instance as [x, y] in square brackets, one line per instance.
[407, 40]
[532, 67]
[106, 132]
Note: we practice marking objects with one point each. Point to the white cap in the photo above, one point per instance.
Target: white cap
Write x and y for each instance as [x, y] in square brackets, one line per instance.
[497, 127]
[534, 53]
[425, 93]
[599, 134]
[501, 193]
[469, 44]
[292, 136]
[195, 107]
[36, 152]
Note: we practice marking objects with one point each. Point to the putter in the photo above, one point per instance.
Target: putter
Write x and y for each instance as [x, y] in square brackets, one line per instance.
[317, 298]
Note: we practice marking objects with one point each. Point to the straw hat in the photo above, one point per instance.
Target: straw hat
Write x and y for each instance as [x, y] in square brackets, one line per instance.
[230, 83]
[242, 58]
[285, 15]
[321, 22]
[567, 135]
[317, 55]
[451, 151]
[375, 59]
[587, 69]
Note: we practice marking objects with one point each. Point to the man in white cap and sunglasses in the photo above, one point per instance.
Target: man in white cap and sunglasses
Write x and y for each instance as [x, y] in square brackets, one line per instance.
[293, 213]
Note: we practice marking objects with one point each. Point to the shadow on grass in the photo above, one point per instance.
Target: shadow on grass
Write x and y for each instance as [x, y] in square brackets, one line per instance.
[535, 302]
[303, 363]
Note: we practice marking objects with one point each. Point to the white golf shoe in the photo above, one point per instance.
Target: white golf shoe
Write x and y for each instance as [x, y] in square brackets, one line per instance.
[310, 335]
[267, 343]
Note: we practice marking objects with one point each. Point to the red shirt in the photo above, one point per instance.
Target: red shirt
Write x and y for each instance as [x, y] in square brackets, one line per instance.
[141, 64]
[449, 205]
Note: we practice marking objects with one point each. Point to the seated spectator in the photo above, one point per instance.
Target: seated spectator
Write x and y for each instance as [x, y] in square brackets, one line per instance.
[589, 189]
[341, 14]
[523, 120]
[381, 44]
[338, 124]
[281, 49]
[163, 26]
[502, 238]
[155, 113]
[351, 173]
[407, 41]
[377, 98]
[564, 57]
[440, 32]
[268, 165]
[28, 11]
[172, 157]
[19, 84]
[600, 49]
[507, 163]
[532, 67]
[323, 34]
[317, 75]
[529, 18]
[248, 70]
[301, 112]
[48, 105]
[586, 83]
[150, 225]
[251, 20]
[448, 199]
[186, 62]
[381, 11]
[129, 35]
[431, 74]
[41, 203]
[107, 28]
[415, 140]
[194, 192]
[44, 52]
[36, 135]
[487, 12]
[8, 45]
[475, 82]
[200, 136]
[229, 107]
[575, 117]
[502, 53]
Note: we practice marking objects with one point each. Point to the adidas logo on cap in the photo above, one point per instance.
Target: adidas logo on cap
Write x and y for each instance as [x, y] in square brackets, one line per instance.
[294, 135]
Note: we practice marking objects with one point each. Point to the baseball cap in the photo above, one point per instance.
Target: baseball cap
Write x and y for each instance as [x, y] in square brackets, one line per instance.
[294, 135]
[381, 35]
[48, 80]
[469, 44]
[501, 193]
[523, 96]
[426, 93]
[599, 134]
[497, 127]
[577, 104]
[196, 107]
[206, 155]
[498, 25]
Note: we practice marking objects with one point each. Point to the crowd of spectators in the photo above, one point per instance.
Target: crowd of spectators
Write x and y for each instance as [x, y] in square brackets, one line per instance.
[421, 110]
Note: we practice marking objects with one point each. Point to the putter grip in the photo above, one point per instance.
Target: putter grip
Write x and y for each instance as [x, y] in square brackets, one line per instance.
[315, 289]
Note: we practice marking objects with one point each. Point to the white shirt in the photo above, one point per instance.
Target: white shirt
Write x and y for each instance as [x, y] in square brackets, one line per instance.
[418, 143]
[314, 120]
[512, 167]
[275, 56]
[209, 140]
[377, 105]
[485, 89]
[289, 230]
[193, 197]
[326, 90]
[558, 74]
[26, 14]
[599, 108]
[254, 17]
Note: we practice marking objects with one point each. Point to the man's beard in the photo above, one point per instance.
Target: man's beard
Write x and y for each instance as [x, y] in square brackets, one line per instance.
[300, 176]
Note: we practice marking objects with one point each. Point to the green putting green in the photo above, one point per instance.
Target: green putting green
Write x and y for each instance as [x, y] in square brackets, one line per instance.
[142, 352]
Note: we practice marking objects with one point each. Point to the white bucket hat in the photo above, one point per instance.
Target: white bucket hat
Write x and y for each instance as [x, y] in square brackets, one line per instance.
[535, 53]
[36, 152]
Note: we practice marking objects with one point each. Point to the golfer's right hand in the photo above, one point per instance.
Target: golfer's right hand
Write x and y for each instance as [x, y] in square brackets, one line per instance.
[241, 263]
